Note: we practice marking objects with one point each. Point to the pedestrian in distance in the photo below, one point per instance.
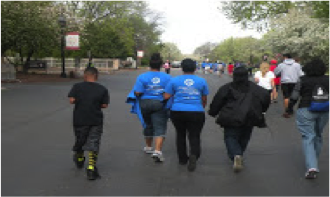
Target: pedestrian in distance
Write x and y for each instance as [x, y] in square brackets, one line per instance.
[167, 67]
[89, 98]
[189, 93]
[313, 112]
[290, 72]
[230, 69]
[265, 78]
[149, 87]
[239, 106]
[220, 69]
[277, 81]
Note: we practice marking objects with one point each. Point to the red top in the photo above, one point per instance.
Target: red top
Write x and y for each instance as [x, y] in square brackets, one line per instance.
[277, 80]
[230, 68]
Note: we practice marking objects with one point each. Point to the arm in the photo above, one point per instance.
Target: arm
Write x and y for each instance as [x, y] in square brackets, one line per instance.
[104, 105]
[204, 100]
[219, 100]
[278, 70]
[138, 87]
[105, 99]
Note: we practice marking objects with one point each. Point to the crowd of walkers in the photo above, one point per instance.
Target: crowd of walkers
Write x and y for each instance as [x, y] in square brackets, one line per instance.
[238, 106]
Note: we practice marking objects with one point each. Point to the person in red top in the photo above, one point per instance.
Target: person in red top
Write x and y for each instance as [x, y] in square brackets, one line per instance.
[230, 69]
[277, 81]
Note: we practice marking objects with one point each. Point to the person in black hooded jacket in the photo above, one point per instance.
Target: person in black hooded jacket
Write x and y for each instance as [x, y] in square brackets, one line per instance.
[240, 105]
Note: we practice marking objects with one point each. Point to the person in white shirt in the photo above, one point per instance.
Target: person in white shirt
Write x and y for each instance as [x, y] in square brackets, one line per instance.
[265, 78]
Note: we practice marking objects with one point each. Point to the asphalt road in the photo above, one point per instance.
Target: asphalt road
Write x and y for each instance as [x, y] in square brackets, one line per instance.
[37, 137]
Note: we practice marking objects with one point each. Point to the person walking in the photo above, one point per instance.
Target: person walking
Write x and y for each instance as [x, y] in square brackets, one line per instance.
[277, 81]
[220, 69]
[89, 98]
[230, 69]
[167, 67]
[313, 112]
[265, 78]
[189, 93]
[290, 72]
[239, 106]
[149, 88]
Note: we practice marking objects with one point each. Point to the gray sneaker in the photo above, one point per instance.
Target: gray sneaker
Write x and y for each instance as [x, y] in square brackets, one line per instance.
[238, 163]
[158, 156]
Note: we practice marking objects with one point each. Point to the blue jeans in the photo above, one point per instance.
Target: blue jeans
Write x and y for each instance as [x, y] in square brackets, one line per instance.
[311, 125]
[155, 116]
[236, 140]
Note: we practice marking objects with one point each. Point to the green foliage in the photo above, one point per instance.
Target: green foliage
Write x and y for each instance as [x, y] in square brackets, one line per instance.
[246, 49]
[257, 14]
[301, 35]
[171, 52]
[205, 49]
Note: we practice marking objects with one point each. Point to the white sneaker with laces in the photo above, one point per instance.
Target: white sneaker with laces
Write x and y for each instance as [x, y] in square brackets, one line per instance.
[158, 156]
[148, 150]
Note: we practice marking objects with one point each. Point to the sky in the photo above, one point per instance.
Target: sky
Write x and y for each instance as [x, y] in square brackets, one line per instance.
[190, 24]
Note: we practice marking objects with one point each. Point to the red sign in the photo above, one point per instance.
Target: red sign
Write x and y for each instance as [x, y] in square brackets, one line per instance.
[72, 41]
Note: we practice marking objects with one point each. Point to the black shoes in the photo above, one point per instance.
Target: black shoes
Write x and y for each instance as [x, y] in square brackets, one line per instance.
[79, 161]
[92, 174]
[192, 163]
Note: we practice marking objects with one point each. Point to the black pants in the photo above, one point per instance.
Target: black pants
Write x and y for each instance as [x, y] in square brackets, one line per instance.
[167, 70]
[236, 140]
[190, 123]
[88, 138]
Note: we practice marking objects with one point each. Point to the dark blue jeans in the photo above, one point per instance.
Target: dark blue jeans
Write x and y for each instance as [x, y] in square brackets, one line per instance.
[236, 140]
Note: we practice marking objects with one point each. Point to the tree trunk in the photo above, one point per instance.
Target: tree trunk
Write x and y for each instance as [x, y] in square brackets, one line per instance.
[27, 62]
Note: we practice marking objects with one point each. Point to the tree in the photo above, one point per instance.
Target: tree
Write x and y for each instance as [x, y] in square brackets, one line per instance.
[245, 49]
[301, 35]
[205, 49]
[171, 52]
[28, 28]
[257, 14]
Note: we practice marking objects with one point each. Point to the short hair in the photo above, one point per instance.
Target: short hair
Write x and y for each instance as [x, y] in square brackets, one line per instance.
[188, 65]
[287, 55]
[91, 71]
[155, 61]
[315, 67]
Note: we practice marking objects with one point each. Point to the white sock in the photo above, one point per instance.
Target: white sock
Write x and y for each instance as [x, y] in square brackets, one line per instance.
[158, 152]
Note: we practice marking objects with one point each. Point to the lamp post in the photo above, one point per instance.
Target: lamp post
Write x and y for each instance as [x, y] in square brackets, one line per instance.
[62, 22]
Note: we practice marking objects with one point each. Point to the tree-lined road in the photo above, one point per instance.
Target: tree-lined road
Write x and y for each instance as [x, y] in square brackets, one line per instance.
[37, 137]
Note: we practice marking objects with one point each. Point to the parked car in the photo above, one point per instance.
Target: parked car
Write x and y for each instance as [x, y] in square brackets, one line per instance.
[176, 64]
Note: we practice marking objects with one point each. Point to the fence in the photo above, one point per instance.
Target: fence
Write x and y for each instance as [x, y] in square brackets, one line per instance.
[54, 65]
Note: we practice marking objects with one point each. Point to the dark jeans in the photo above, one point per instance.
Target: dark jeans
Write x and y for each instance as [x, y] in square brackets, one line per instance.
[190, 123]
[237, 139]
[88, 138]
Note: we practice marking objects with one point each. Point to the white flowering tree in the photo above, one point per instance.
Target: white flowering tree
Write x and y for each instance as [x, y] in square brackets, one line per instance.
[300, 34]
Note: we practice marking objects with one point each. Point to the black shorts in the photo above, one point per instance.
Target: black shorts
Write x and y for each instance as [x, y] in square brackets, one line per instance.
[88, 138]
[277, 87]
[287, 89]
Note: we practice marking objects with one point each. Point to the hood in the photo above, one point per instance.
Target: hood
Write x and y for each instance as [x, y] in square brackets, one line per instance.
[289, 61]
[273, 62]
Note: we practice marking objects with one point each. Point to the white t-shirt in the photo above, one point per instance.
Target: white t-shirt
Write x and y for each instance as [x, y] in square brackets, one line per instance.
[265, 82]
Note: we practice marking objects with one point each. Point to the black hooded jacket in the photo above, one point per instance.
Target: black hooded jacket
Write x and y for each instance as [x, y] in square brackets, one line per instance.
[237, 108]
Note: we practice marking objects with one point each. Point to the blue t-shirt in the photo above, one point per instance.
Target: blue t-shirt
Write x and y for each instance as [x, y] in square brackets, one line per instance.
[187, 91]
[152, 84]
[204, 64]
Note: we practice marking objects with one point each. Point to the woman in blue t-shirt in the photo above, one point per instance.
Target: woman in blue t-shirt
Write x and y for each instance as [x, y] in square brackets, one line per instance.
[189, 94]
[149, 88]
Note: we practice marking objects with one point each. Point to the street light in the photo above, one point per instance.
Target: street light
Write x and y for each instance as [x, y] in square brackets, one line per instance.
[62, 22]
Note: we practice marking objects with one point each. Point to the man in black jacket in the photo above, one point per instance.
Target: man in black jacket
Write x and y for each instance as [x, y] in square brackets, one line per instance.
[241, 105]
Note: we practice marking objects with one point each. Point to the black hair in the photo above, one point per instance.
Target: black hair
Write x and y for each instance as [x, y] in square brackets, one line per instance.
[315, 67]
[91, 71]
[155, 61]
[229, 62]
[241, 79]
[188, 65]
[287, 55]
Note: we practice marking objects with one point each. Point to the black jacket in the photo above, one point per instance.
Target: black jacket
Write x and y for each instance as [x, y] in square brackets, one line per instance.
[237, 109]
[304, 90]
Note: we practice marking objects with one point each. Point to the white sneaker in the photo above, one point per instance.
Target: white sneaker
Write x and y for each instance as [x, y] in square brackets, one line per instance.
[148, 150]
[238, 163]
[158, 156]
